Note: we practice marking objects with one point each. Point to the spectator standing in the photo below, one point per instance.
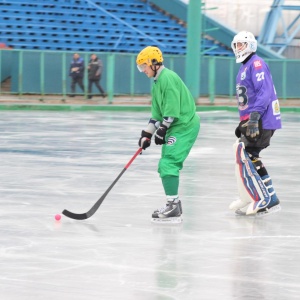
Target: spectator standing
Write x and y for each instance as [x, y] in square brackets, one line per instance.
[76, 72]
[95, 68]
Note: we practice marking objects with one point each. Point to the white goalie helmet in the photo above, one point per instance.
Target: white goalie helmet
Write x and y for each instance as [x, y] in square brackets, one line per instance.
[248, 45]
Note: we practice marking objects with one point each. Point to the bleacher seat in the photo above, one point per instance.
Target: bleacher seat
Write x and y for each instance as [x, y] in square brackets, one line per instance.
[78, 25]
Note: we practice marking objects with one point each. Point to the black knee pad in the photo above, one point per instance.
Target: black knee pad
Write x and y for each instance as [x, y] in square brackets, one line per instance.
[260, 168]
[253, 152]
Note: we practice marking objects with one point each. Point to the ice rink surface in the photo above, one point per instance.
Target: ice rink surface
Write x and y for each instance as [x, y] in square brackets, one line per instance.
[52, 161]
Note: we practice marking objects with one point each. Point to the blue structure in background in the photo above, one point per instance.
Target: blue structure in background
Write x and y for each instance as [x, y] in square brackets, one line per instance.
[91, 25]
[268, 36]
[116, 30]
[211, 26]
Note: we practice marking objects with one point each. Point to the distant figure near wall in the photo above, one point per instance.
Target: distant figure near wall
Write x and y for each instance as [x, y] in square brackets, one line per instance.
[95, 68]
[76, 72]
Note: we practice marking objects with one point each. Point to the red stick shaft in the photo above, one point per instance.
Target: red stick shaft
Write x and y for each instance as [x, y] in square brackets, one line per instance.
[133, 158]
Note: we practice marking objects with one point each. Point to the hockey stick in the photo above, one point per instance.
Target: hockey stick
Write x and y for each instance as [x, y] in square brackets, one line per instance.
[88, 214]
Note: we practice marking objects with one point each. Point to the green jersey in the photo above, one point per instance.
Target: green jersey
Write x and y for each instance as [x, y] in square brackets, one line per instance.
[171, 98]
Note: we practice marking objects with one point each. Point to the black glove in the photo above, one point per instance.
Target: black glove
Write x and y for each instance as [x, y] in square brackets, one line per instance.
[252, 125]
[160, 135]
[238, 132]
[145, 139]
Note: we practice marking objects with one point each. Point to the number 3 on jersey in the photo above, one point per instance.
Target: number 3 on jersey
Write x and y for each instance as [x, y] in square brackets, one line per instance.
[242, 94]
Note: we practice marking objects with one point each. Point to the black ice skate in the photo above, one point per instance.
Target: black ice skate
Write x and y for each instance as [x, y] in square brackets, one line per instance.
[273, 207]
[170, 213]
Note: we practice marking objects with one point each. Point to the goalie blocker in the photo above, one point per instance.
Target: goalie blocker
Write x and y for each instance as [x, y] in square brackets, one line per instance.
[253, 192]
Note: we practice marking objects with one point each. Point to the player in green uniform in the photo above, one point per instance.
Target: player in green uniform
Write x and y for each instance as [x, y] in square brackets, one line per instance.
[174, 124]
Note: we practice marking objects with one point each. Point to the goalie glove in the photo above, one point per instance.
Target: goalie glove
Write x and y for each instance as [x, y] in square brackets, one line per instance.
[252, 125]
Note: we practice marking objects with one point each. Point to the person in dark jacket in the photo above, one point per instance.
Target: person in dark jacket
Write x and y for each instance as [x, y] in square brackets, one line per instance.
[95, 68]
[76, 72]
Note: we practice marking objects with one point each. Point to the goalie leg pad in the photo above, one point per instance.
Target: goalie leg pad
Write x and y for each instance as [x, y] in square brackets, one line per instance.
[251, 187]
[238, 204]
[273, 206]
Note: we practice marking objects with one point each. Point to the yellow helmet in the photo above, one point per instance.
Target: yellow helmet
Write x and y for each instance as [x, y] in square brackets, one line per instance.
[150, 56]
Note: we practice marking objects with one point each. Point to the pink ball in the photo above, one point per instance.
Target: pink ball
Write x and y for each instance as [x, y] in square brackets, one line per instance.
[57, 217]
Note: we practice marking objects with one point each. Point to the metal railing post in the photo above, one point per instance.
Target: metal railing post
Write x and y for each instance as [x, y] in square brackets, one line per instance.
[42, 74]
[20, 74]
[211, 79]
[110, 77]
[64, 76]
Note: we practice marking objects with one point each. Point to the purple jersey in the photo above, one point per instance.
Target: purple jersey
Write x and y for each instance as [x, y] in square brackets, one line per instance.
[255, 92]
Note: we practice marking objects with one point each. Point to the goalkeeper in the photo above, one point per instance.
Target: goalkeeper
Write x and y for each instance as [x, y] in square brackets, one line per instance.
[259, 119]
[174, 124]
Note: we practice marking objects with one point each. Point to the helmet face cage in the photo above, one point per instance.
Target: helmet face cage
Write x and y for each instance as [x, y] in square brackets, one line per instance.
[149, 56]
[249, 43]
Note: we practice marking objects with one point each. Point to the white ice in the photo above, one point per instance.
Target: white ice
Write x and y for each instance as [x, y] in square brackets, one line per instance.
[52, 161]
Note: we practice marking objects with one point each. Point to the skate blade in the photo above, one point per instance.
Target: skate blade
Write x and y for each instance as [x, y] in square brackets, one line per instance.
[173, 220]
[270, 211]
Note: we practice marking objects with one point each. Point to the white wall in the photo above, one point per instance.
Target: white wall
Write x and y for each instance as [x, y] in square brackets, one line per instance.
[246, 14]
[240, 14]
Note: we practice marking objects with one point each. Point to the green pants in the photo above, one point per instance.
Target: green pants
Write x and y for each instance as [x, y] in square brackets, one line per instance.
[174, 153]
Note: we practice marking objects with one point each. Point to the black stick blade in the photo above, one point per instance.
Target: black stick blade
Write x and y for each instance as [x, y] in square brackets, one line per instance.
[88, 214]
[74, 216]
